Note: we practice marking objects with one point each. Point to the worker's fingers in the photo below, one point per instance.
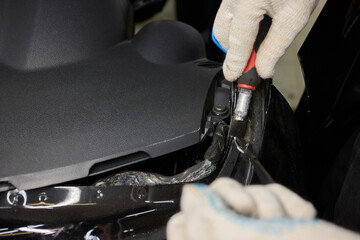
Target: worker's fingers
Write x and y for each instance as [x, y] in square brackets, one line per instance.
[278, 199]
[222, 23]
[243, 32]
[294, 205]
[286, 24]
[176, 227]
[267, 204]
[203, 208]
[195, 196]
[235, 195]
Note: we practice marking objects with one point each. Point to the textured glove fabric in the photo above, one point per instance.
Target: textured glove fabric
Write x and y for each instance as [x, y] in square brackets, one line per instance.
[227, 210]
[237, 23]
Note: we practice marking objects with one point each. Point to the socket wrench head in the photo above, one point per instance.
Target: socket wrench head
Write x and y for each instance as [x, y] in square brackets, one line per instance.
[242, 105]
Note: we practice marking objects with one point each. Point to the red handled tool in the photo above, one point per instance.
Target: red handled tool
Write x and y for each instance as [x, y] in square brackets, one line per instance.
[247, 82]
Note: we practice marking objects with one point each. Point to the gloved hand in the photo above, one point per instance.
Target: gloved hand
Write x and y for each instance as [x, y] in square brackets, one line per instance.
[237, 23]
[227, 210]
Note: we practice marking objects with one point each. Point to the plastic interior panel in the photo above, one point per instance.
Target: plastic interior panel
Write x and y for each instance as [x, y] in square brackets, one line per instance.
[56, 123]
[41, 33]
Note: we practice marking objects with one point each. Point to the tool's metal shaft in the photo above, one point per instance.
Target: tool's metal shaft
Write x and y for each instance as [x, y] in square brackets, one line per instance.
[242, 105]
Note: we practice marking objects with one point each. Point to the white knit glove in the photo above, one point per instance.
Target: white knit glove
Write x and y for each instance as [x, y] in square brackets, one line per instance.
[237, 24]
[227, 210]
